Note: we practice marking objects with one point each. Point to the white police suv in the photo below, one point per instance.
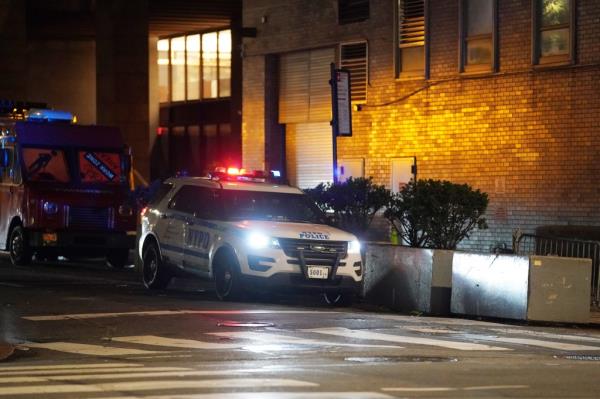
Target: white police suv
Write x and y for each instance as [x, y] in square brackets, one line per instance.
[246, 234]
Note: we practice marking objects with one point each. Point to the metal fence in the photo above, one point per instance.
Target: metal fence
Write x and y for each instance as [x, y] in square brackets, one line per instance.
[531, 244]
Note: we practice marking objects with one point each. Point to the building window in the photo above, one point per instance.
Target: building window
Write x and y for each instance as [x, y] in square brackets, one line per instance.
[352, 11]
[194, 67]
[354, 58]
[411, 42]
[554, 31]
[478, 35]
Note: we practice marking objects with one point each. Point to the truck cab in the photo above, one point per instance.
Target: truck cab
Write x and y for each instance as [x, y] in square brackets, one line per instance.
[64, 188]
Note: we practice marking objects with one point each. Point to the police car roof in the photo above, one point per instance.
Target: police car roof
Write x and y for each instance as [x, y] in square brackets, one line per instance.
[237, 185]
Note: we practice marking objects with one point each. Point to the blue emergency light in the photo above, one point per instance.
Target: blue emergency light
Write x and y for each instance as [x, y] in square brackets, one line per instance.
[49, 115]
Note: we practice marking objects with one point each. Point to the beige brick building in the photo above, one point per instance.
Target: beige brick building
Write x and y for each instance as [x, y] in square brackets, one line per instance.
[509, 106]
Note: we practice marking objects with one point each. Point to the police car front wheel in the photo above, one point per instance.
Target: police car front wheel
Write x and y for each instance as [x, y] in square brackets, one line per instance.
[154, 272]
[228, 285]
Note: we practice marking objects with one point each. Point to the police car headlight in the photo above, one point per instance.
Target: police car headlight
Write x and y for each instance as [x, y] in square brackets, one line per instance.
[258, 240]
[354, 247]
[50, 208]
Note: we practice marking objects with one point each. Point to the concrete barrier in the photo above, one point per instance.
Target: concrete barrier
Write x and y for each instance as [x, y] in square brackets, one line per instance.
[408, 279]
[541, 288]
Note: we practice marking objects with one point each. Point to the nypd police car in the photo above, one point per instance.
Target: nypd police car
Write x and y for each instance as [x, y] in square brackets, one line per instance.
[246, 234]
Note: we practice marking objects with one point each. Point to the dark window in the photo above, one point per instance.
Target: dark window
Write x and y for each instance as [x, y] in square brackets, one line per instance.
[554, 31]
[352, 11]
[354, 58]
[478, 39]
[197, 201]
[184, 200]
[411, 38]
[159, 193]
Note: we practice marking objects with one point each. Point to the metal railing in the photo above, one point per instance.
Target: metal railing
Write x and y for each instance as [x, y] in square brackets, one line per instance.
[531, 244]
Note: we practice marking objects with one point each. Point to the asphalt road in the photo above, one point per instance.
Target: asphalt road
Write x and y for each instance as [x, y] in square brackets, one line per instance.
[86, 331]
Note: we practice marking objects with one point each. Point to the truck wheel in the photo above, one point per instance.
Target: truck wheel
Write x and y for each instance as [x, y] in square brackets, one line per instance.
[228, 284]
[118, 258]
[154, 273]
[338, 299]
[20, 252]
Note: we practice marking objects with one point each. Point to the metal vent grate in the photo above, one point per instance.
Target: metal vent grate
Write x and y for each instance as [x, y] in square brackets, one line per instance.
[354, 58]
[411, 23]
[352, 11]
[87, 218]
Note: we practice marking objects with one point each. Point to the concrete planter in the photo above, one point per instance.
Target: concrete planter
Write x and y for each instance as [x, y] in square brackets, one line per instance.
[541, 288]
[408, 279]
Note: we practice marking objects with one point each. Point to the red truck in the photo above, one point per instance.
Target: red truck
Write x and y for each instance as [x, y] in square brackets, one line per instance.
[65, 189]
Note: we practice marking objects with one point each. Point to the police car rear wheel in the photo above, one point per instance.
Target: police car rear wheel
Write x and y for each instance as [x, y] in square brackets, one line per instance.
[338, 299]
[20, 253]
[155, 274]
[227, 279]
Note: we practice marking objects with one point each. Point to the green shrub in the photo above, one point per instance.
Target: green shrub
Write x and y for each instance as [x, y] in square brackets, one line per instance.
[353, 202]
[436, 214]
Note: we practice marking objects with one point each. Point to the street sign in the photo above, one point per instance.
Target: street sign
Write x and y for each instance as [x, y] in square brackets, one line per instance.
[341, 102]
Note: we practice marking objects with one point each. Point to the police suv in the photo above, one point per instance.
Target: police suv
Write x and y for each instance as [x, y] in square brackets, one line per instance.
[246, 234]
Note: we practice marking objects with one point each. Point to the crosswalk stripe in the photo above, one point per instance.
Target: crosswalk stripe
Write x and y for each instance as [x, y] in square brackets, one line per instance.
[273, 395]
[370, 335]
[122, 376]
[543, 334]
[168, 313]
[87, 349]
[68, 366]
[89, 371]
[535, 342]
[131, 386]
[286, 339]
[174, 342]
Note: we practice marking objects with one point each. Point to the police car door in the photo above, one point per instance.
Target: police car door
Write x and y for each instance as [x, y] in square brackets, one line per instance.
[179, 211]
[200, 231]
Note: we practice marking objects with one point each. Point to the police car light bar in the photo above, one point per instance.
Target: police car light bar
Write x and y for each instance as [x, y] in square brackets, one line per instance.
[49, 115]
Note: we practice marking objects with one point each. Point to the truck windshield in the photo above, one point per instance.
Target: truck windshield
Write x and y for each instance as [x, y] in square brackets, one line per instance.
[44, 164]
[261, 205]
[100, 167]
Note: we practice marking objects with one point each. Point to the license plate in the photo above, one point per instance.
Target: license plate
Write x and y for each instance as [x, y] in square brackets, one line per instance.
[49, 238]
[320, 272]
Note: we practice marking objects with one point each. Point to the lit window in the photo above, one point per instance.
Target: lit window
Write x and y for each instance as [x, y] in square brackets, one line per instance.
[192, 48]
[554, 30]
[163, 70]
[477, 31]
[410, 38]
[225, 63]
[178, 68]
[209, 65]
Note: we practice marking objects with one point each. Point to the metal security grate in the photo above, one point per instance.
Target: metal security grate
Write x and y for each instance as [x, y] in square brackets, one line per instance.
[88, 218]
[411, 23]
[354, 58]
[315, 252]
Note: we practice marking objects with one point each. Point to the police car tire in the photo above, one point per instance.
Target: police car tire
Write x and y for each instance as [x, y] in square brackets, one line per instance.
[224, 264]
[20, 252]
[338, 299]
[154, 276]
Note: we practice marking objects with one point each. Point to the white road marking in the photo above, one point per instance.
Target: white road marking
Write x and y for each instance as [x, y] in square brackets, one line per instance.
[286, 339]
[69, 366]
[371, 335]
[79, 316]
[542, 334]
[87, 349]
[419, 389]
[535, 342]
[12, 285]
[174, 342]
[492, 387]
[131, 386]
[428, 330]
[123, 376]
[273, 395]
[90, 371]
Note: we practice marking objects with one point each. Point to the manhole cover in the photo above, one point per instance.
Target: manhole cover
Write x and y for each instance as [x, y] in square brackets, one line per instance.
[587, 358]
[6, 350]
[400, 359]
[243, 324]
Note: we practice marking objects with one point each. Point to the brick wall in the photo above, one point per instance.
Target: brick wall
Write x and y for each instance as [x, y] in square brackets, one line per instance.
[527, 136]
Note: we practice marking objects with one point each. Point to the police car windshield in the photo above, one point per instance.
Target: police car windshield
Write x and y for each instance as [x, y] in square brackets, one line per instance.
[261, 205]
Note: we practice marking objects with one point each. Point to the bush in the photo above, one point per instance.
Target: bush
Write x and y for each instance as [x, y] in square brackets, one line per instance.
[353, 202]
[436, 214]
